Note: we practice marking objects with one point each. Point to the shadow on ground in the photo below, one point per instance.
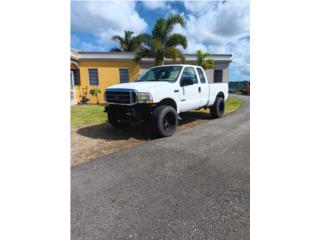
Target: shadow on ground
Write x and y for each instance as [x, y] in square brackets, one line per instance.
[105, 131]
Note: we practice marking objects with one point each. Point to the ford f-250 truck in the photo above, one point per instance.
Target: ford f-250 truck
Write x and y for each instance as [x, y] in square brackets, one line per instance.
[160, 94]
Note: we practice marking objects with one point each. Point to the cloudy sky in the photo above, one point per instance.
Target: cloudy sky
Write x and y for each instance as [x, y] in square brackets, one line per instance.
[212, 26]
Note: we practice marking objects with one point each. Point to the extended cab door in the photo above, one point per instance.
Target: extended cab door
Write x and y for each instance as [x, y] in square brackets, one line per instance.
[204, 87]
[189, 90]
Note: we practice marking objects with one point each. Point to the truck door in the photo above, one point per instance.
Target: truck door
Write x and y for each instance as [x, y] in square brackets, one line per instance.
[204, 88]
[189, 93]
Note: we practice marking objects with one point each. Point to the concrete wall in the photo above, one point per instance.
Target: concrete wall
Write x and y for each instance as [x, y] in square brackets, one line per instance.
[210, 74]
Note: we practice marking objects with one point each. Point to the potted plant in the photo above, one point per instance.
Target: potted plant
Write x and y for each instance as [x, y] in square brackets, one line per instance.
[95, 92]
[84, 98]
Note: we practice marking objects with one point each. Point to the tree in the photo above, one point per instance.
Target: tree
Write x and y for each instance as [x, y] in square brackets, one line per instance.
[95, 92]
[162, 42]
[202, 61]
[128, 43]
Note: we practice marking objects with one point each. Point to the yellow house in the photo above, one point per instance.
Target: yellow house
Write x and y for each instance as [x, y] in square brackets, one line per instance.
[99, 70]
[91, 70]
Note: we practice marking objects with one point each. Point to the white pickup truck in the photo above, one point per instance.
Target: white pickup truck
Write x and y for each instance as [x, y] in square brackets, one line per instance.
[160, 94]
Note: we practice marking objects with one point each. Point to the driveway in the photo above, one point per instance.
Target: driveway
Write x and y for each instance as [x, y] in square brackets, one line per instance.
[193, 185]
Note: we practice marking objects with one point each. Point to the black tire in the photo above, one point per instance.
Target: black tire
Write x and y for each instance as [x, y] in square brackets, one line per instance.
[115, 122]
[217, 110]
[164, 121]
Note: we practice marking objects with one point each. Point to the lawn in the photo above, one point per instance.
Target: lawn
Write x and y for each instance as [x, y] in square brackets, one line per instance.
[232, 104]
[82, 115]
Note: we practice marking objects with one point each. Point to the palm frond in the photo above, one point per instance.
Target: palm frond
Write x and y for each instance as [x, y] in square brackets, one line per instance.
[117, 38]
[173, 20]
[144, 39]
[174, 53]
[143, 52]
[156, 44]
[177, 39]
[202, 61]
[159, 29]
[120, 41]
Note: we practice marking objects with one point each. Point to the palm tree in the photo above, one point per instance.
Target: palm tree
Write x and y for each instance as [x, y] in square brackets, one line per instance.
[162, 42]
[202, 61]
[128, 43]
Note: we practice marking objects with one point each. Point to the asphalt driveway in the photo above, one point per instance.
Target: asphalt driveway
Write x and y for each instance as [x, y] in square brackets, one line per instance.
[193, 185]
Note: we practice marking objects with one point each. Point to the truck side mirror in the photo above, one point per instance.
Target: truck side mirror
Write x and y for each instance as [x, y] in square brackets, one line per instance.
[186, 81]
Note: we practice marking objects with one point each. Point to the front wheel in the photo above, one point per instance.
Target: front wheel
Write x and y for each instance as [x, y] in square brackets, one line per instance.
[164, 121]
[217, 110]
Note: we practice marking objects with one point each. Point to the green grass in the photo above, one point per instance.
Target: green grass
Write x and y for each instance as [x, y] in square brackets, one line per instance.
[82, 115]
[87, 114]
[232, 104]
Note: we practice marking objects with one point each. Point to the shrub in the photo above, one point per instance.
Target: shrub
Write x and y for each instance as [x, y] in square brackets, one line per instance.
[95, 92]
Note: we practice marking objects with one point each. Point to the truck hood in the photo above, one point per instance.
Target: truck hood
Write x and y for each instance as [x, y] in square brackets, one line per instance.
[139, 86]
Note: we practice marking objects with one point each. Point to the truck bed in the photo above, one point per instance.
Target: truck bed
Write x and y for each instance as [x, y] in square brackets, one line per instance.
[214, 89]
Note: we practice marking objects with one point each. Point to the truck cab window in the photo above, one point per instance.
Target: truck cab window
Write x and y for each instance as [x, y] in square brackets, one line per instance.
[189, 72]
[165, 73]
[201, 75]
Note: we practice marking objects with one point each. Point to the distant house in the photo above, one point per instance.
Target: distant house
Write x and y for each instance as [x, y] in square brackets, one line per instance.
[101, 69]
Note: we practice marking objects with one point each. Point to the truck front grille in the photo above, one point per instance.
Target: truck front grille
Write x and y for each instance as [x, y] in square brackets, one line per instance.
[120, 96]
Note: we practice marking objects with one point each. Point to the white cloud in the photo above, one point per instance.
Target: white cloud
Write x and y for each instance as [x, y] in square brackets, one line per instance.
[155, 4]
[105, 19]
[219, 23]
[214, 26]
[198, 7]
[220, 27]
[195, 46]
[78, 44]
[240, 50]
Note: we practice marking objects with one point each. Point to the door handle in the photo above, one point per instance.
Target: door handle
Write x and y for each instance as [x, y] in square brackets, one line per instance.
[199, 88]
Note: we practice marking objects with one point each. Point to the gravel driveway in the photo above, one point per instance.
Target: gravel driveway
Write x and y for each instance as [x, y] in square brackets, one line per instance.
[193, 185]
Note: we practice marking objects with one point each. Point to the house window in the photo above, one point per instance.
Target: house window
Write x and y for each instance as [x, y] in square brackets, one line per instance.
[93, 77]
[201, 75]
[76, 77]
[124, 75]
[217, 76]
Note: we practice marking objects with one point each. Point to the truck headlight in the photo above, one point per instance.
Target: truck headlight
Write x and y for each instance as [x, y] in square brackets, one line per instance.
[144, 97]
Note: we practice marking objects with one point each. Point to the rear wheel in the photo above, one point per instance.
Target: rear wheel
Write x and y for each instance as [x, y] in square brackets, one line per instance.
[217, 110]
[164, 121]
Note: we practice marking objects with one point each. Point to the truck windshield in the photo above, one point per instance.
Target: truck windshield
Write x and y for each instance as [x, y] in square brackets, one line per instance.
[167, 73]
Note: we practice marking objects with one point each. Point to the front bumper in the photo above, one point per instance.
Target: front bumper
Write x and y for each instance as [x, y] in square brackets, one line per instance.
[136, 112]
